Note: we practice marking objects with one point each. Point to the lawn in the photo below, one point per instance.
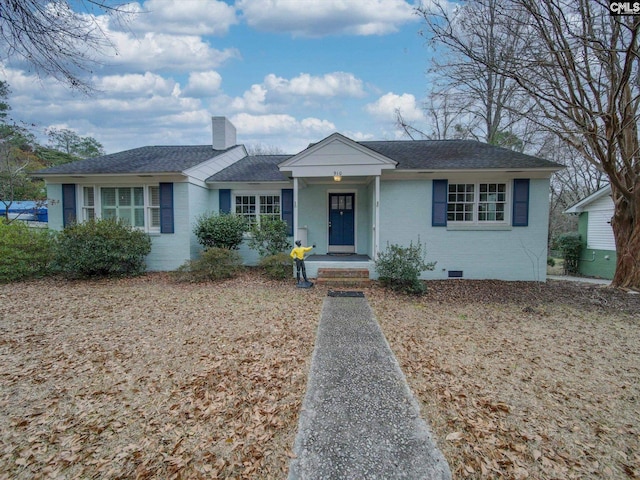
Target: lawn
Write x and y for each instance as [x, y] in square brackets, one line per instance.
[146, 378]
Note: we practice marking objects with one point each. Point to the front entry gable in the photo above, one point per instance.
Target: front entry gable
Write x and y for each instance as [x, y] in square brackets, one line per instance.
[337, 155]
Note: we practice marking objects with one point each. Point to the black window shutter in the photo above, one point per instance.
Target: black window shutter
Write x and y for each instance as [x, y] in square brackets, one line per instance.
[287, 208]
[68, 204]
[439, 204]
[520, 202]
[225, 201]
[166, 208]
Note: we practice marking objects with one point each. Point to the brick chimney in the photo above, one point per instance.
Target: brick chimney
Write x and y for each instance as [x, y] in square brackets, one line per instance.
[224, 133]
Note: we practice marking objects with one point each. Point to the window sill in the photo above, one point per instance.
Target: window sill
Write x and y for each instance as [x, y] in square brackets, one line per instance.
[476, 227]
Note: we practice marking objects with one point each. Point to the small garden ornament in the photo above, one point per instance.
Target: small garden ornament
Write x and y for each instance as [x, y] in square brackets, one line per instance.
[298, 256]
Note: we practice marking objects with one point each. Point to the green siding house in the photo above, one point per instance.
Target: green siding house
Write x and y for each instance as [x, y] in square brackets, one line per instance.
[598, 257]
[481, 210]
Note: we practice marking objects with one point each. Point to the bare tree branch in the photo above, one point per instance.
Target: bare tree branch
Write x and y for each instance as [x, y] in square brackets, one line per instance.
[55, 39]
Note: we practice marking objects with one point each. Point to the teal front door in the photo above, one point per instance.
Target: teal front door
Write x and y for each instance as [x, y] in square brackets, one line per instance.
[342, 223]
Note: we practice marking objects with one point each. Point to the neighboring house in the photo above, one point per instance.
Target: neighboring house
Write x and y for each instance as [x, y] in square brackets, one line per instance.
[25, 210]
[482, 211]
[598, 258]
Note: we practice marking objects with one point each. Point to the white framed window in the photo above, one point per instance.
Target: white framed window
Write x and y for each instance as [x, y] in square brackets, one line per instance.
[477, 203]
[138, 206]
[153, 207]
[256, 206]
[88, 203]
[123, 203]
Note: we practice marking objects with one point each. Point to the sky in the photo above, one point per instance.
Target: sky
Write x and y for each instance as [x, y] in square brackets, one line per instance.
[285, 72]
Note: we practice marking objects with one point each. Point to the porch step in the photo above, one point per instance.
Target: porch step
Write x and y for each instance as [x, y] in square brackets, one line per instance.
[343, 276]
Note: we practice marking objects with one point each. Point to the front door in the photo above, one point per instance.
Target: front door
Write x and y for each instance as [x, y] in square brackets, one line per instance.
[342, 223]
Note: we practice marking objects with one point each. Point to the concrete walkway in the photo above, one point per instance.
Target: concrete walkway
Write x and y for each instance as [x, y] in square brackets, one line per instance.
[359, 419]
[567, 278]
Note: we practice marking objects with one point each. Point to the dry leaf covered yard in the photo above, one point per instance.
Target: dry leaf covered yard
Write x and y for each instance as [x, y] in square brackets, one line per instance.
[146, 378]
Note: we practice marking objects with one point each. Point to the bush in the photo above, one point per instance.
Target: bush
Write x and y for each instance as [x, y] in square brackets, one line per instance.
[571, 246]
[101, 248]
[220, 231]
[270, 237]
[24, 252]
[399, 268]
[214, 264]
[277, 267]
[551, 261]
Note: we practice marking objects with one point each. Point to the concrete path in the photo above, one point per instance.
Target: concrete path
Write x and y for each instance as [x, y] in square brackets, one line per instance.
[567, 278]
[359, 419]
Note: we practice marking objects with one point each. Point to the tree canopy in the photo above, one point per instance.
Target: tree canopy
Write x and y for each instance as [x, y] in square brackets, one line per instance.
[21, 154]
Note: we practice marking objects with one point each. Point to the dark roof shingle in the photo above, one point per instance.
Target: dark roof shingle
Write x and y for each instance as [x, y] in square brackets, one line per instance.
[157, 159]
[409, 154]
[255, 168]
[454, 155]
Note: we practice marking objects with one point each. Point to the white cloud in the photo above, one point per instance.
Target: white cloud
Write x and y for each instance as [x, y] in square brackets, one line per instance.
[279, 124]
[316, 18]
[274, 91]
[385, 107]
[136, 84]
[192, 17]
[252, 100]
[203, 84]
[328, 85]
[158, 51]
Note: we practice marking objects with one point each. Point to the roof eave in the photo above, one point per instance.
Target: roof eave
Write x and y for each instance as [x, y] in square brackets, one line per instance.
[85, 175]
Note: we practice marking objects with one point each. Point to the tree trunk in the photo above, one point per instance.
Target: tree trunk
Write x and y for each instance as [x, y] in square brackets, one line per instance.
[626, 230]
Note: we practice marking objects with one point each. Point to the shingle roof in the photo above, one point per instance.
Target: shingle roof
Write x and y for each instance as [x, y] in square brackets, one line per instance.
[454, 155]
[157, 159]
[255, 168]
[409, 154]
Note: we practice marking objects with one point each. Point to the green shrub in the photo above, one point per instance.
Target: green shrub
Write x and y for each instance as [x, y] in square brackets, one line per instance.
[220, 231]
[101, 248]
[571, 246]
[399, 268]
[270, 237]
[24, 252]
[277, 267]
[214, 264]
[551, 261]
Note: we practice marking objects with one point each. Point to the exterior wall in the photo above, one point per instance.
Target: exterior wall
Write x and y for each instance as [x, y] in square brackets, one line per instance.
[599, 231]
[594, 262]
[200, 202]
[506, 253]
[54, 194]
[170, 250]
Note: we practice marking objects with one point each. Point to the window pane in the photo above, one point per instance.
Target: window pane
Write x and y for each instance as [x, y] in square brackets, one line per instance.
[124, 214]
[89, 196]
[154, 217]
[246, 206]
[108, 197]
[154, 196]
[138, 217]
[491, 206]
[138, 196]
[109, 213]
[124, 197]
[89, 213]
[461, 201]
